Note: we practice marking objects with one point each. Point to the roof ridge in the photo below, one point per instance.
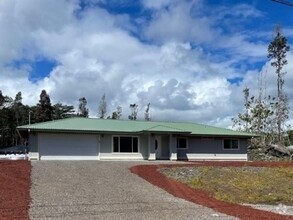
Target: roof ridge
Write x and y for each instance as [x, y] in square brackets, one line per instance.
[166, 127]
[228, 129]
[144, 121]
[181, 122]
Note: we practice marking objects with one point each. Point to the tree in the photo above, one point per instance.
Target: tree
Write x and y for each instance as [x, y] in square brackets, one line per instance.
[147, 114]
[18, 98]
[20, 110]
[18, 117]
[2, 99]
[243, 121]
[134, 109]
[14, 113]
[5, 101]
[45, 110]
[117, 114]
[245, 117]
[6, 127]
[5, 121]
[277, 51]
[82, 109]
[290, 137]
[11, 115]
[62, 111]
[257, 117]
[102, 107]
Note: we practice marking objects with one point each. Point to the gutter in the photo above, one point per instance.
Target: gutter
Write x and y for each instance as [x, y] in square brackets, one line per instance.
[188, 133]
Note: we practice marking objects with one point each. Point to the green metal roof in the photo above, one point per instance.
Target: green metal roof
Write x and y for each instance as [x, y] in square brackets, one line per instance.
[163, 128]
[94, 125]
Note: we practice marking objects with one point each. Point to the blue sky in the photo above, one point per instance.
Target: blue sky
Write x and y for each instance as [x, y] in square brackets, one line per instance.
[270, 14]
[190, 59]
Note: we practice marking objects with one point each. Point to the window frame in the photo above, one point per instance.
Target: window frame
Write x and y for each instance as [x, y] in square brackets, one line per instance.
[119, 151]
[231, 140]
[177, 144]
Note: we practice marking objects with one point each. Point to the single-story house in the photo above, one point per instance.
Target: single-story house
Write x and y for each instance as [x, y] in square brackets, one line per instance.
[105, 139]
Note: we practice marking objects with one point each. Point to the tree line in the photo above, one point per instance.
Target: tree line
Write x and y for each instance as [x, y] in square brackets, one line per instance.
[14, 113]
[264, 114]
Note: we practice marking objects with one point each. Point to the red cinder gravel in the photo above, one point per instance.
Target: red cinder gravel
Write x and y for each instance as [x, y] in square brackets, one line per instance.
[14, 189]
[178, 189]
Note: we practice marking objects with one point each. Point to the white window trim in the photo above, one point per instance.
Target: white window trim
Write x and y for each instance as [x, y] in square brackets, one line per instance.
[186, 143]
[229, 149]
[138, 144]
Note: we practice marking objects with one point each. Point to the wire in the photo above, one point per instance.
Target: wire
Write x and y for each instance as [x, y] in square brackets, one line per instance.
[284, 2]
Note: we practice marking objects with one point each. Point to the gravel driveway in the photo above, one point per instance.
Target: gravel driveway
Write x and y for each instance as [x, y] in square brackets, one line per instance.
[104, 190]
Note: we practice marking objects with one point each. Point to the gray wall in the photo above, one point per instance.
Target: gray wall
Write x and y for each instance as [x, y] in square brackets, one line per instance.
[198, 145]
[106, 143]
[68, 144]
[33, 142]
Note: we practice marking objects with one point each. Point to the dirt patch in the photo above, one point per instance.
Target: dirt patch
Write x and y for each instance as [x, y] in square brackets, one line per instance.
[178, 189]
[14, 189]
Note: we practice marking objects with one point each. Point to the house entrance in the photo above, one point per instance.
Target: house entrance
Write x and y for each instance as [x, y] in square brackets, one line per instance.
[158, 147]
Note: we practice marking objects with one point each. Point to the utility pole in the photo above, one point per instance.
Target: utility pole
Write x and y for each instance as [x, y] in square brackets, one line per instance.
[29, 117]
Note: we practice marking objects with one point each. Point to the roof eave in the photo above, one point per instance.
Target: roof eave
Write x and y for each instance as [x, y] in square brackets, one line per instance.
[28, 129]
[164, 132]
[226, 135]
[76, 131]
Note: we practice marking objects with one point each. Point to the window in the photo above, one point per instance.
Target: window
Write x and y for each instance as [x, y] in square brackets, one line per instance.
[182, 143]
[125, 144]
[116, 144]
[231, 144]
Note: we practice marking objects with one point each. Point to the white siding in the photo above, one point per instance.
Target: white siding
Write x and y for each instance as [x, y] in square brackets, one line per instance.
[68, 147]
[242, 157]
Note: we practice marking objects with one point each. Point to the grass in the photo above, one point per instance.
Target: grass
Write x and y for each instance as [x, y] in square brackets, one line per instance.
[246, 184]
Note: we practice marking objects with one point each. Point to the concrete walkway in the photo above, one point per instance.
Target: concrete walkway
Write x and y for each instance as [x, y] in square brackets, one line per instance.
[104, 190]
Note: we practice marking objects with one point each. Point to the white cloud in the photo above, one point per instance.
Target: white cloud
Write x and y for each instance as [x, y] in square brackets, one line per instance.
[20, 19]
[156, 4]
[239, 10]
[177, 24]
[96, 54]
[193, 21]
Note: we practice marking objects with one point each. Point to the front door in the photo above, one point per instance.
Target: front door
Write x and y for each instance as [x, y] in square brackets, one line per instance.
[158, 147]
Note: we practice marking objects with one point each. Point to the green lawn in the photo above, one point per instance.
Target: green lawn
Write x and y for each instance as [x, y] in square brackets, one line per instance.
[240, 184]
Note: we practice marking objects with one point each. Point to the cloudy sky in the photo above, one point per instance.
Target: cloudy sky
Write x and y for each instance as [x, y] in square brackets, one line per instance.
[190, 59]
